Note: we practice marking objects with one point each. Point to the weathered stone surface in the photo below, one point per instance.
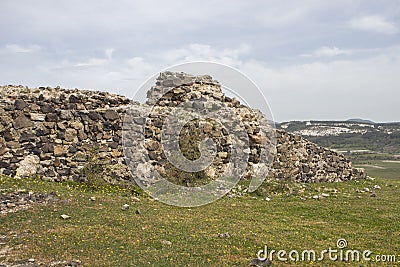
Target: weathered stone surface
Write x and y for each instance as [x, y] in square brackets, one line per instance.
[4, 164]
[26, 137]
[3, 150]
[22, 122]
[20, 104]
[47, 108]
[51, 117]
[66, 115]
[70, 135]
[111, 115]
[93, 115]
[47, 148]
[76, 125]
[115, 153]
[37, 116]
[73, 99]
[29, 166]
[60, 150]
[80, 156]
[57, 162]
[8, 136]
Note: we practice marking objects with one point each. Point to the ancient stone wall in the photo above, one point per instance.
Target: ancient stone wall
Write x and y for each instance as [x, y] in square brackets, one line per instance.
[54, 132]
[60, 129]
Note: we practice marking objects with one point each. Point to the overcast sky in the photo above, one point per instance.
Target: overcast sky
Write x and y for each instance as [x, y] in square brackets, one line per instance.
[312, 59]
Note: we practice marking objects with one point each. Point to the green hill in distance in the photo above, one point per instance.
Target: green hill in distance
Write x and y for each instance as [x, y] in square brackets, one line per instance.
[357, 137]
[360, 120]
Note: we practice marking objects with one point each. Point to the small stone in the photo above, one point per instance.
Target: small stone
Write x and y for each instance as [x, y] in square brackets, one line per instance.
[166, 242]
[74, 263]
[59, 151]
[377, 187]
[70, 134]
[65, 115]
[267, 199]
[51, 117]
[73, 99]
[373, 195]
[92, 198]
[22, 122]
[366, 189]
[258, 139]
[64, 171]
[65, 216]
[139, 120]
[316, 197]
[20, 104]
[82, 135]
[47, 109]
[111, 115]
[37, 116]
[225, 235]
[93, 115]
[26, 137]
[137, 212]
[125, 206]
[152, 145]
[136, 199]
[115, 153]
[223, 155]
[28, 166]
[10, 205]
[56, 162]
[76, 125]
[80, 156]
[325, 195]
[3, 150]
[8, 136]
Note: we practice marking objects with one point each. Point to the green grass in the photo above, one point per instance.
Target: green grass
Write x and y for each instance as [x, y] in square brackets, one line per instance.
[363, 157]
[100, 233]
[380, 168]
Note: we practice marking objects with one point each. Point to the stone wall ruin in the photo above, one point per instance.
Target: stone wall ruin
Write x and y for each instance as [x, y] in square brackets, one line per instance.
[52, 132]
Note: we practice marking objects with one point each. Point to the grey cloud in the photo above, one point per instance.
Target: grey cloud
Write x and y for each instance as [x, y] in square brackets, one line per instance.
[117, 46]
[374, 23]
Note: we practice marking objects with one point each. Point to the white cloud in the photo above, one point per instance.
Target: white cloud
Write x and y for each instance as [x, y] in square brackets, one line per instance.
[109, 53]
[328, 52]
[16, 48]
[312, 90]
[92, 62]
[332, 90]
[203, 52]
[373, 23]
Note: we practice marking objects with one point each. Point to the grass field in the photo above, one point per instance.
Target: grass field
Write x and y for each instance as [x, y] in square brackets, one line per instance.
[381, 168]
[100, 233]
